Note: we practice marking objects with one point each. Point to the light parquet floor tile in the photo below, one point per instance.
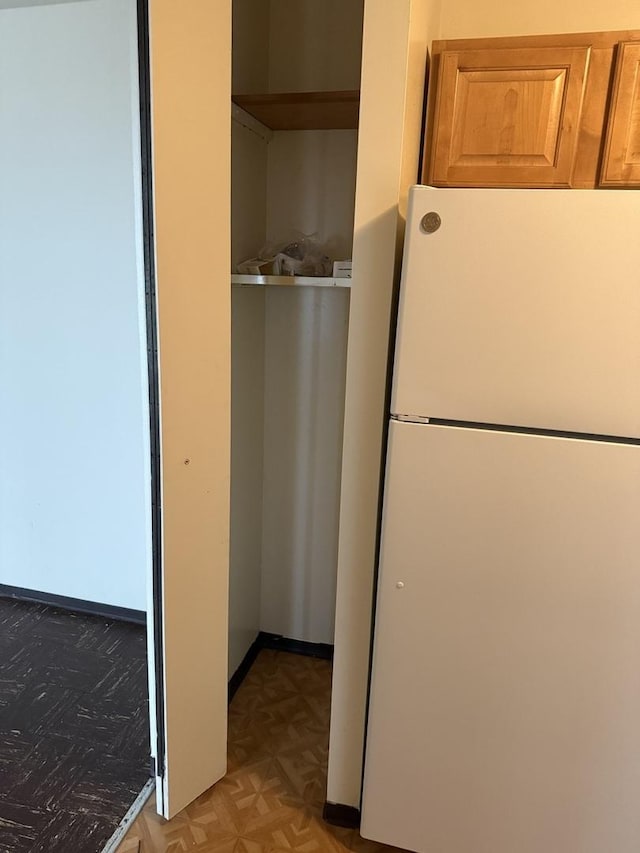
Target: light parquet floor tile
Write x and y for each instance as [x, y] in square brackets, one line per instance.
[271, 799]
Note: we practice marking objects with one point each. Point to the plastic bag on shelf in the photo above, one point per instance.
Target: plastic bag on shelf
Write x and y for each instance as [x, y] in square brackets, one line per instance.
[303, 255]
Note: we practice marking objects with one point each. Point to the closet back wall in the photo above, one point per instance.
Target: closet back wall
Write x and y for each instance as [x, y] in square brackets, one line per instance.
[314, 45]
[289, 345]
[74, 456]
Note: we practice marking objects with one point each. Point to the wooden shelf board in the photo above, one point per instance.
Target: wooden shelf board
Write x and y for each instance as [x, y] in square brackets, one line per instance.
[304, 110]
[289, 281]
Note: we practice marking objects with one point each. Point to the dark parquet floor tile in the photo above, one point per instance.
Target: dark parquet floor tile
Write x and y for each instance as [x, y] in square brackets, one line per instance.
[14, 748]
[87, 722]
[104, 786]
[72, 832]
[74, 728]
[20, 825]
[15, 617]
[10, 690]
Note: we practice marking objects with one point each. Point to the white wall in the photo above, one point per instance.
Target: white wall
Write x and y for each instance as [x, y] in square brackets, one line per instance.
[250, 54]
[248, 193]
[248, 234]
[302, 181]
[314, 45]
[74, 458]
[247, 456]
[311, 187]
[305, 363]
[469, 19]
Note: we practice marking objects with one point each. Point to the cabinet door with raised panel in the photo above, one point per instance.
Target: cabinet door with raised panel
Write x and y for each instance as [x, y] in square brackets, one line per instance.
[508, 116]
[621, 161]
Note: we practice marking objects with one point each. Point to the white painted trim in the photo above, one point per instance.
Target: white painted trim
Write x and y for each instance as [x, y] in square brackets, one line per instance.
[393, 70]
[125, 824]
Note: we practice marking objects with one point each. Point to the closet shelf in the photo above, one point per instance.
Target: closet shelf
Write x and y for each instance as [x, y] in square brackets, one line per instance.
[289, 281]
[304, 110]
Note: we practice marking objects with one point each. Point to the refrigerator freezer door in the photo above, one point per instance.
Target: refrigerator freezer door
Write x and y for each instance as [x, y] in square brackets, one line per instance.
[505, 701]
[522, 308]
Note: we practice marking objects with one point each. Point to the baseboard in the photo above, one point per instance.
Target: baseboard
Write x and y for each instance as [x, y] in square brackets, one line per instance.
[340, 815]
[247, 662]
[279, 643]
[74, 605]
[113, 844]
[296, 647]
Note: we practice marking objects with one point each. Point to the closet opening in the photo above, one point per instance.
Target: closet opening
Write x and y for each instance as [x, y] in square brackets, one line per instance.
[295, 98]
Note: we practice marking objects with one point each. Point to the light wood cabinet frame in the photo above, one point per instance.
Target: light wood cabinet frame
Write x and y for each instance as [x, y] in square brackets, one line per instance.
[621, 161]
[508, 116]
[594, 114]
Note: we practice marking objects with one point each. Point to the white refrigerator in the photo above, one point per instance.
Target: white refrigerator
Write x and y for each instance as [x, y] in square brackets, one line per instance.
[505, 697]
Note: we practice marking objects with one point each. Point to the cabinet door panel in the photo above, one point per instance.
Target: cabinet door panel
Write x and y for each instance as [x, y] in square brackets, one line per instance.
[621, 162]
[508, 117]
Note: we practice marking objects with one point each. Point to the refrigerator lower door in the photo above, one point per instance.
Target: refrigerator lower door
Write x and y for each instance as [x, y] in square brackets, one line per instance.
[505, 700]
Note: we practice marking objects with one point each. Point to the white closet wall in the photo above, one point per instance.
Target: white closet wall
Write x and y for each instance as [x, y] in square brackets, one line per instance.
[250, 55]
[305, 358]
[311, 178]
[314, 45]
[248, 229]
[249, 192]
[247, 440]
[248, 233]
[293, 182]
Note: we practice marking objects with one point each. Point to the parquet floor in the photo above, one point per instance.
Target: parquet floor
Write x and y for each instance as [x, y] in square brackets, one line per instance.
[272, 797]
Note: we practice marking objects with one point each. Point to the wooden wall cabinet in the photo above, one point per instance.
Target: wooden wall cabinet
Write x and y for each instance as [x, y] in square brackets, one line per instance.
[621, 161]
[535, 111]
[509, 114]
